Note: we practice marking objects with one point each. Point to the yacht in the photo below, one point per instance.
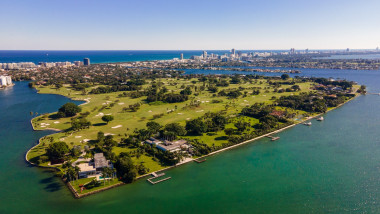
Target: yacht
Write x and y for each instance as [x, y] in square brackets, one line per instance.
[307, 123]
[320, 119]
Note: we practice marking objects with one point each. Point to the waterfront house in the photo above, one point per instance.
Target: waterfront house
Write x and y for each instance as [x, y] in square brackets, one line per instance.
[173, 146]
[166, 145]
[92, 168]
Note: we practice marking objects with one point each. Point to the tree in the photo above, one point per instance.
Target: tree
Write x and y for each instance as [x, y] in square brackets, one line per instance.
[68, 110]
[153, 127]
[186, 91]
[141, 169]
[109, 141]
[76, 151]
[285, 76]
[175, 128]
[100, 137]
[57, 150]
[219, 121]
[229, 131]
[107, 118]
[241, 125]
[126, 169]
[78, 124]
[196, 126]
[362, 89]
[296, 87]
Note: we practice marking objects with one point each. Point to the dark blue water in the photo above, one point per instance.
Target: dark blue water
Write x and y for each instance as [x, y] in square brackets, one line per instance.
[95, 56]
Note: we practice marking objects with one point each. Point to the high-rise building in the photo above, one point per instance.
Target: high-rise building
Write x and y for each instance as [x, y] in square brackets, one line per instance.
[5, 80]
[292, 51]
[377, 49]
[348, 50]
[78, 63]
[86, 61]
[307, 50]
[233, 51]
[204, 54]
[181, 56]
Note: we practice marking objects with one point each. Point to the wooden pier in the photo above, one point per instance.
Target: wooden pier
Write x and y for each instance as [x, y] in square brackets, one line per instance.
[273, 138]
[157, 176]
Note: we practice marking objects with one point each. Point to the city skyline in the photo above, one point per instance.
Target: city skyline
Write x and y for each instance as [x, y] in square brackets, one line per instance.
[173, 25]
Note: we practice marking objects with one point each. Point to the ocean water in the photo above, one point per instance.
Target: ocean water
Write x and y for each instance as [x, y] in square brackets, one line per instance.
[95, 56]
[331, 167]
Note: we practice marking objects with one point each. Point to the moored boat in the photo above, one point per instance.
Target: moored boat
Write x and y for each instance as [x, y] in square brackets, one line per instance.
[320, 119]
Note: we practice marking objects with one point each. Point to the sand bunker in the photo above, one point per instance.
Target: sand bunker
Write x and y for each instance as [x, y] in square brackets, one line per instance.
[115, 127]
[78, 136]
[99, 115]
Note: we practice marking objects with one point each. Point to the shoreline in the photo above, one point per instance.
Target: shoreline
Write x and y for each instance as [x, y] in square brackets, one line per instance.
[77, 195]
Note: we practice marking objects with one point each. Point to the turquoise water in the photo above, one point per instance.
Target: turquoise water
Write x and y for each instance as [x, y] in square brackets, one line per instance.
[331, 167]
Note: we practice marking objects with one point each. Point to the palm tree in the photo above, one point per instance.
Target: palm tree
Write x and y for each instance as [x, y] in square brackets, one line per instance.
[113, 173]
[104, 175]
[76, 170]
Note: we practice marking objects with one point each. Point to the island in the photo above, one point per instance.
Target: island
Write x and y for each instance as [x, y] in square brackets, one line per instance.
[140, 121]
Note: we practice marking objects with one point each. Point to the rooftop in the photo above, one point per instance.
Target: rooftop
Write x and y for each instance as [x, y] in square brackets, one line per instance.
[100, 161]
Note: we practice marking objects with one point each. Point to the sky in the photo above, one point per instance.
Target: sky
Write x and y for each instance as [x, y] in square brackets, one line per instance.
[189, 24]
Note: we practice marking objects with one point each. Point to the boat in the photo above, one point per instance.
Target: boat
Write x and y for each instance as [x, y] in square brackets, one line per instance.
[307, 124]
[320, 119]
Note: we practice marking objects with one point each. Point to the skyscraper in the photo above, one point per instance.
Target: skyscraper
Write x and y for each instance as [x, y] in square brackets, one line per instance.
[233, 51]
[181, 56]
[204, 54]
[86, 61]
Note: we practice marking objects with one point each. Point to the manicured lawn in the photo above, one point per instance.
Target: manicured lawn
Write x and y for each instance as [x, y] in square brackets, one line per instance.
[83, 181]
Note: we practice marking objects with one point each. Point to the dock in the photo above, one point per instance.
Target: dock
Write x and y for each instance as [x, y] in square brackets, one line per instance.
[200, 160]
[273, 138]
[157, 176]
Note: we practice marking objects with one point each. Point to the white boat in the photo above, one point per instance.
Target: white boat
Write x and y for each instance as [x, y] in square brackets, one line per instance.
[307, 124]
[320, 119]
